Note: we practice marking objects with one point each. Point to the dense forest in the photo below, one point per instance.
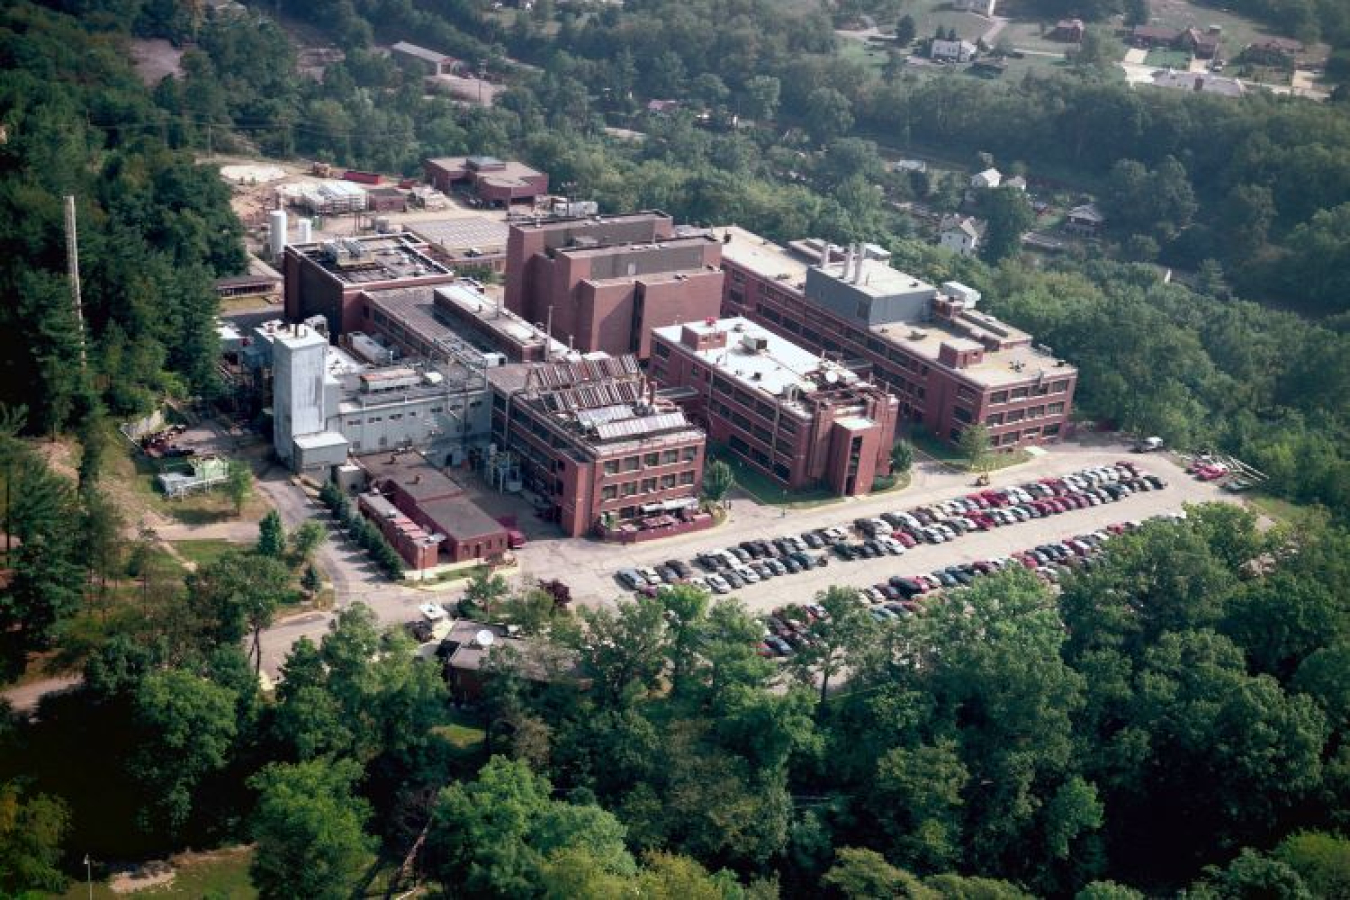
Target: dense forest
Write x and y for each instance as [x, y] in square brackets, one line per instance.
[1174, 720]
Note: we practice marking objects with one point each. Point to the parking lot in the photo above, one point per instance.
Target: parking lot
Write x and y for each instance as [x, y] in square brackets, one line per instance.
[589, 567]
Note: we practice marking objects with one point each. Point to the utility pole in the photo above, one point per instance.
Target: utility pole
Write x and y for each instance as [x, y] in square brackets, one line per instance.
[73, 268]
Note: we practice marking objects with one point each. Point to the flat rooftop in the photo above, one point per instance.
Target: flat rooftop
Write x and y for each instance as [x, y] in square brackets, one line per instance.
[462, 234]
[780, 369]
[1013, 365]
[414, 310]
[761, 256]
[372, 259]
[495, 317]
[563, 223]
[877, 278]
[412, 473]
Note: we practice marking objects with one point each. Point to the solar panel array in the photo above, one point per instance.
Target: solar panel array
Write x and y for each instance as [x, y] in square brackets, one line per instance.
[626, 428]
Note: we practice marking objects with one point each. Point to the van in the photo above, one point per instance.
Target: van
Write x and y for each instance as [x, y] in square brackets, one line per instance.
[1149, 445]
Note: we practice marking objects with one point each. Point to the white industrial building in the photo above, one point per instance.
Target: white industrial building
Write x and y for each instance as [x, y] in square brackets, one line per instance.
[330, 402]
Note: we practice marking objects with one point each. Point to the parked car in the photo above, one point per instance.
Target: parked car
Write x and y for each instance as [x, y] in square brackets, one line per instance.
[630, 578]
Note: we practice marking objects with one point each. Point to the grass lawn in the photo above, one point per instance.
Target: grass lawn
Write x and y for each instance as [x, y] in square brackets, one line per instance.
[1178, 60]
[205, 552]
[949, 455]
[767, 491]
[1278, 508]
[222, 873]
[868, 53]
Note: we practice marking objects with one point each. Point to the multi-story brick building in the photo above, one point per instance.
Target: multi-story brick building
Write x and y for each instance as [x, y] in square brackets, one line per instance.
[603, 283]
[328, 278]
[594, 442]
[796, 417]
[948, 364]
[435, 503]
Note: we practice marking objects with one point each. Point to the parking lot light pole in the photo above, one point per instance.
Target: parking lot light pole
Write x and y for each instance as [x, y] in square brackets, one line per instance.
[89, 875]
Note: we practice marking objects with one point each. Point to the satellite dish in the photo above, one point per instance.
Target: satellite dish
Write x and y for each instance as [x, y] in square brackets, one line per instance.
[484, 638]
[831, 376]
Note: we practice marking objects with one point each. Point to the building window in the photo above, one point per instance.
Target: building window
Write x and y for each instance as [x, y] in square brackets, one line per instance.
[1020, 393]
[373, 419]
[687, 477]
[629, 488]
[965, 393]
[954, 434]
[1056, 409]
[648, 485]
[995, 419]
[669, 456]
[609, 492]
[437, 409]
[661, 350]
[651, 459]
[630, 464]
[394, 417]
[611, 467]
[1050, 430]
[998, 397]
[961, 414]
[1060, 387]
[1031, 432]
[690, 454]
[1036, 412]
[667, 482]
[1017, 415]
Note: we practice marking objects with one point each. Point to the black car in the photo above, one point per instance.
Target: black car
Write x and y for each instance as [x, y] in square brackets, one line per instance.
[733, 579]
[791, 565]
[813, 540]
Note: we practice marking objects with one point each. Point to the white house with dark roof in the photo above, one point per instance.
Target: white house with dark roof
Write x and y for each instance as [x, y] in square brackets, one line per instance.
[961, 234]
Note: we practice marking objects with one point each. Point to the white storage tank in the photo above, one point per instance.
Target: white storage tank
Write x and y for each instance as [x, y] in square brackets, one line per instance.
[304, 231]
[276, 232]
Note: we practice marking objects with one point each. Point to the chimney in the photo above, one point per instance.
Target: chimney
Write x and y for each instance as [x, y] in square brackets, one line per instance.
[858, 265]
[848, 263]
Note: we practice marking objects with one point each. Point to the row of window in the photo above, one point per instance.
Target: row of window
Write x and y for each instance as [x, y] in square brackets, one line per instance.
[1013, 437]
[646, 486]
[1017, 415]
[1021, 393]
[651, 460]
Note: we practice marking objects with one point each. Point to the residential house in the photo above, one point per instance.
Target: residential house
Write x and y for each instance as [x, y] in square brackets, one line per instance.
[1017, 182]
[1203, 44]
[1152, 36]
[989, 178]
[979, 7]
[961, 234]
[1070, 31]
[1086, 220]
[952, 51]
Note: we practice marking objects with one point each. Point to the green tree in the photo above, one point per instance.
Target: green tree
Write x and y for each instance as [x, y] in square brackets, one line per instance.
[1252, 875]
[718, 480]
[491, 837]
[861, 874]
[975, 447]
[1321, 860]
[185, 728]
[762, 97]
[1137, 12]
[902, 456]
[905, 30]
[1107, 890]
[841, 636]
[271, 536]
[1009, 215]
[311, 581]
[238, 484]
[916, 798]
[306, 539]
[308, 827]
[239, 595]
[31, 831]
[623, 651]
[828, 114]
[484, 591]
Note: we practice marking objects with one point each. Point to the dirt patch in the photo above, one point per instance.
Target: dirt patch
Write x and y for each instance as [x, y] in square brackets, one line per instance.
[154, 58]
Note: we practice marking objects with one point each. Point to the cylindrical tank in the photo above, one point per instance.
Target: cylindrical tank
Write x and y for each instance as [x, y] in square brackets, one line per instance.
[276, 234]
[304, 231]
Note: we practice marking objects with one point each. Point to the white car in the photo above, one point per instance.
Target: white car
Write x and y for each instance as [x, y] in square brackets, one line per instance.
[650, 574]
[718, 584]
[748, 575]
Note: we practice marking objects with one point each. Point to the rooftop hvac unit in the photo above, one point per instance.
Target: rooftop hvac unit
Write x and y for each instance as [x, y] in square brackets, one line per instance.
[755, 343]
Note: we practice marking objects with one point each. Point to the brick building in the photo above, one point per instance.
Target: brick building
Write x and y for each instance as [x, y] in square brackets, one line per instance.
[605, 282]
[438, 505]
[796, 417]
[947, 363]
[596, 445]
[328, 278]
[491, 180]
[417, 548]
